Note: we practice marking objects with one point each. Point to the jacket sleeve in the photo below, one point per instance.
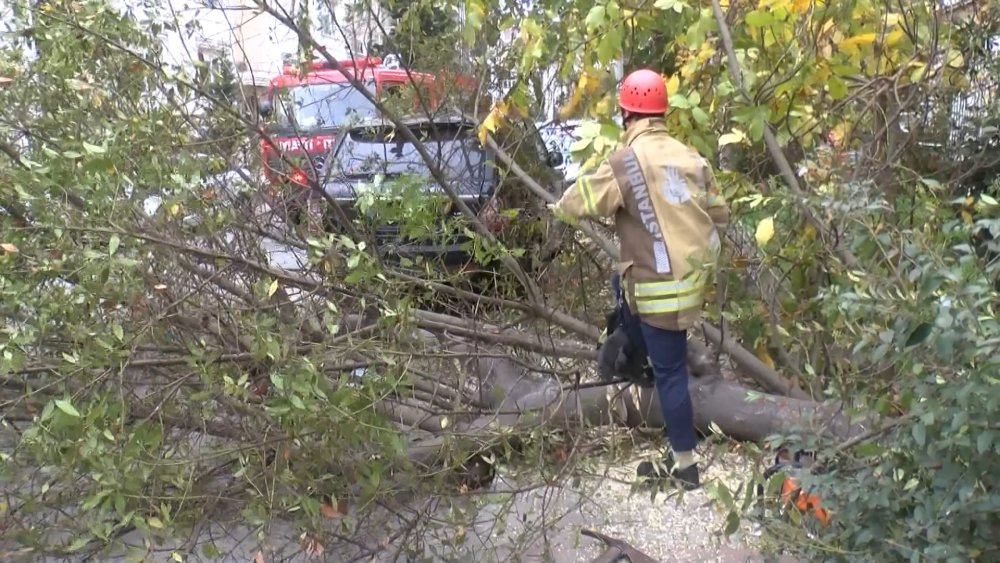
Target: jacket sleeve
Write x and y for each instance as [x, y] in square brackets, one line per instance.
[594, 194]
[714, 203]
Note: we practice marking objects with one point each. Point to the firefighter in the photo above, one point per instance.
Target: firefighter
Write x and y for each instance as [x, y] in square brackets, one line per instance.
[669, 216]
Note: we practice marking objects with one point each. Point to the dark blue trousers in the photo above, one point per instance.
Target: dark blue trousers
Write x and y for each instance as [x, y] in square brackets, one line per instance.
[667, 353]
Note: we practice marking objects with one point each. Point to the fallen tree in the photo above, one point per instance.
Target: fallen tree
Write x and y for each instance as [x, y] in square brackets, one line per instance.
[518, 400]
[154, 368]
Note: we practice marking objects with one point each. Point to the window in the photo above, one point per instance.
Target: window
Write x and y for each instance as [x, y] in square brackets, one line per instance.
[315, 107]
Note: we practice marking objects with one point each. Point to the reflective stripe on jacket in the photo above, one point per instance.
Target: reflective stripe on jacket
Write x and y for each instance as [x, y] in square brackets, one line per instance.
[668, 213]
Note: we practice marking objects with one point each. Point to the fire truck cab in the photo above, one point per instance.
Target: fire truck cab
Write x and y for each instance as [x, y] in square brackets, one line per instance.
[303, 112]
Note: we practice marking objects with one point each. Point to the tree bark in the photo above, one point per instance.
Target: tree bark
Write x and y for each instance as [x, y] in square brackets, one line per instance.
[524, 401]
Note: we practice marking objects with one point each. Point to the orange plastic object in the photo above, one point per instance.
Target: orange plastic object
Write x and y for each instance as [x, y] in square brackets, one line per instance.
[792, 493]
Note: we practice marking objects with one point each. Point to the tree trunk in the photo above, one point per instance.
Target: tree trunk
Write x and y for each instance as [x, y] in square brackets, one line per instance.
[523, 401]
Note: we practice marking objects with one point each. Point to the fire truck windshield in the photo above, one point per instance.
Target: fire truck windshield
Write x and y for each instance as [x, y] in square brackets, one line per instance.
[314, 107]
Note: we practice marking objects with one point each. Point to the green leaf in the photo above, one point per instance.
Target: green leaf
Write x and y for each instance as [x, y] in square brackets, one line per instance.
[919, 432]
[113, 245]
[732, 523]
[984, 441]
[675, 5]
[581, 144]
[93, 149]
[595, 17]
[868, 449]
[154, 522]
[67, 407]
[700, 116]
[679, 101]
[837, 88]
[919, 334]
[759, 18]
[47, 411]
[118, 332]
[609, 46]
[725, 496]
[78, 544]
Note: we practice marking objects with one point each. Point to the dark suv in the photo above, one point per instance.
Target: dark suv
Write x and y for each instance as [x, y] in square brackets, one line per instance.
[371, 161]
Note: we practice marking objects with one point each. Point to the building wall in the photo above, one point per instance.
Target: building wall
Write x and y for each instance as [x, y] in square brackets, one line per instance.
[256, 42]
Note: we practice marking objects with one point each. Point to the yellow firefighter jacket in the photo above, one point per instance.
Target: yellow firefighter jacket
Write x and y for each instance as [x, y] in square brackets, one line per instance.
[668, 214]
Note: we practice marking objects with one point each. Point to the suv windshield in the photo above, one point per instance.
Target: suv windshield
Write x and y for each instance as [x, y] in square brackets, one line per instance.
[311, 107]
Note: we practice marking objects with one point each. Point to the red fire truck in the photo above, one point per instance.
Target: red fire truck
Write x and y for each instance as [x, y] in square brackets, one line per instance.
[304, 111]
[324, 133]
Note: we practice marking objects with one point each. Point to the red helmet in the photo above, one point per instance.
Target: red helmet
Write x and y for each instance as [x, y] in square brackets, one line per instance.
[643, 91]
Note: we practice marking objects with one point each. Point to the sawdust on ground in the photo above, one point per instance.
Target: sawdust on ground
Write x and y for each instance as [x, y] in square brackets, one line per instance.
[668, 528]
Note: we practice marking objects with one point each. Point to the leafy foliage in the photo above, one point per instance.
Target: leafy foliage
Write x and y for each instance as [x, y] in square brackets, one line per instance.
[909, 331]
[155, 360]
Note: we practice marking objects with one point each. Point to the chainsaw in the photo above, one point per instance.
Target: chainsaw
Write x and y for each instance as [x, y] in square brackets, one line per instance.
[618, 357]
[791, 492]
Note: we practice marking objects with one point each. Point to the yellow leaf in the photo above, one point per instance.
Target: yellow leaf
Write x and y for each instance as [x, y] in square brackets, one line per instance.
[673, 84]
[799, 6]
[569, 108]
[858, 40]
[705, 52]
[604, 106]
[492, 121]
[764, 356]
[734, 137]
[8, 248]
[765, 231]
[840, 132]
[588, 82]
[955, 59]
[154, 522]
[893, 37]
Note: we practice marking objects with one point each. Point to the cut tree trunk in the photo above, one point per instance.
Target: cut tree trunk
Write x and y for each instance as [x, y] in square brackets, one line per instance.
[524, 401]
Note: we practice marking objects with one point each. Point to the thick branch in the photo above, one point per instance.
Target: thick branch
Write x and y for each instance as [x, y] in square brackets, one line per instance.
[753, 367]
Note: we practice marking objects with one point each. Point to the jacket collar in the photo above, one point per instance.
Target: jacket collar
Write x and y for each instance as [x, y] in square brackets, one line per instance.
[644, 127]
